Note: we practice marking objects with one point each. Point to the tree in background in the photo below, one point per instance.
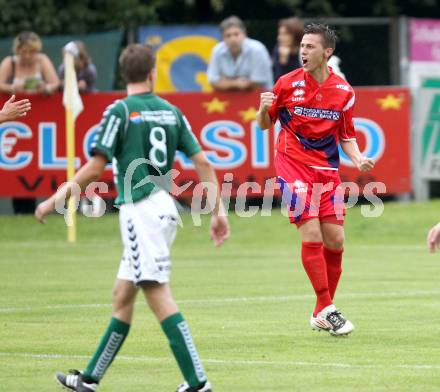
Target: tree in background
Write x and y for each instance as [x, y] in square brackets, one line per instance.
[196, 11]
[75, 16]
[84, 16]
[60, 17]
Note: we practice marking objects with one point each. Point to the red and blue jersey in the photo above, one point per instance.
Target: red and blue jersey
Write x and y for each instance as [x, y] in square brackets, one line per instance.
[313, 117]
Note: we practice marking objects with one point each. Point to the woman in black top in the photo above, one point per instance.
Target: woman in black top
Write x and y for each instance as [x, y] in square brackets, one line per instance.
[285, 54]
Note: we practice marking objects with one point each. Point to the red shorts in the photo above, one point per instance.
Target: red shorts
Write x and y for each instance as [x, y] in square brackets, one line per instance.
[309, 192]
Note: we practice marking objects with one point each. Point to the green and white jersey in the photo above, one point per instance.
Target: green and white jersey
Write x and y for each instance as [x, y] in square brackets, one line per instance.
[141, 135]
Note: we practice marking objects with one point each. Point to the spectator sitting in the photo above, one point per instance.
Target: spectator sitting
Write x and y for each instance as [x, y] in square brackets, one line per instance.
[28, 70]
[85, 69]
[239, 63]
[285, 54]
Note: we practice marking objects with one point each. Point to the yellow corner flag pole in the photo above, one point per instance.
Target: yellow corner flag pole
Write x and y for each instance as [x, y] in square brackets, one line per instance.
[74, 106]
[70, 148]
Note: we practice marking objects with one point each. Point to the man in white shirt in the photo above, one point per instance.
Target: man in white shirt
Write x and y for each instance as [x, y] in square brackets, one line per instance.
[239, 63]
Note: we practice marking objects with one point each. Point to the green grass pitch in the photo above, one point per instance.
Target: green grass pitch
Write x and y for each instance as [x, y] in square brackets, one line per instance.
[247, 304]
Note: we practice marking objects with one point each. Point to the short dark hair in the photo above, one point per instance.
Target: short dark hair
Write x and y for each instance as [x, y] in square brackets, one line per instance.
[232, 21]
[329, 37]
[136, 62]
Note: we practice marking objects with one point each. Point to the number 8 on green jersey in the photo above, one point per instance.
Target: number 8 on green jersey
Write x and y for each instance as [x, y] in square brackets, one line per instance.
[142, 126]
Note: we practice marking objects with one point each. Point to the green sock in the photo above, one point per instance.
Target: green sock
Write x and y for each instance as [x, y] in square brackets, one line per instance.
[109, 346]
[184, 350]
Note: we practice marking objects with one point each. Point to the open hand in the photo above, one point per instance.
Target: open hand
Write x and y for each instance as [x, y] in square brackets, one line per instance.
[219, 229]
[433, 239]
[43, 209]
[13, 109]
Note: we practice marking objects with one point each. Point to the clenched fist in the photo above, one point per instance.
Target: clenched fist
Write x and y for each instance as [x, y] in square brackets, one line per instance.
[266, 101]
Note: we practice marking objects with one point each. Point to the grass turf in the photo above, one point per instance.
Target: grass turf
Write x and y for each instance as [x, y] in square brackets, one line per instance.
[247, 304]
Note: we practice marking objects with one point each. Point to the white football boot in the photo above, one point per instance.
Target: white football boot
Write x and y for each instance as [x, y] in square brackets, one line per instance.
[331, 320]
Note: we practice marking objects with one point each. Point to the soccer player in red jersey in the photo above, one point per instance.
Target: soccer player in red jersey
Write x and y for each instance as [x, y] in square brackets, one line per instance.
[315, 109]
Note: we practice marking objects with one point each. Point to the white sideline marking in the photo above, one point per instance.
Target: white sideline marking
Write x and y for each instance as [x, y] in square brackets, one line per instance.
[386, 246]
[402, 294]
[142, 358]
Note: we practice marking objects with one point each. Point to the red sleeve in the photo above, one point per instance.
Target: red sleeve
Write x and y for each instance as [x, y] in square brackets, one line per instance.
[346, 129]
[273, 110]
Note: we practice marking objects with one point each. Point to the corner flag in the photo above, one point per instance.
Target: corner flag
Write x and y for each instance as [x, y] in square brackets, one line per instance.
[74, 106]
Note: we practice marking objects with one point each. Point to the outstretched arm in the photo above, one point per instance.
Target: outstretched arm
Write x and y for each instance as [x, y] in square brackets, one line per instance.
[351, 148]
[13, 109]
[219, 222]
[90, 172]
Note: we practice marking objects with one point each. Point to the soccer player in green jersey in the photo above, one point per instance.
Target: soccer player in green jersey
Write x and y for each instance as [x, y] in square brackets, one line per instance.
[141, 134]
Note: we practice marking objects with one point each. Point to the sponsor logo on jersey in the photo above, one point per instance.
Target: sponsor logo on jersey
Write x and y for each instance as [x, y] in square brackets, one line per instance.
[299, 187]
[343, 87]
[162, 117]
[299, 83]
[298, 99]
[333, 115]
[299, 92]
[135, 117]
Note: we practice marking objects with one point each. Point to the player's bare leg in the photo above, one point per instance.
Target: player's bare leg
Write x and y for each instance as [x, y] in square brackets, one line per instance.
[123, 300]
[160, 300]
[124, 296]
[333, 235]
[164, 307]
[310, 231]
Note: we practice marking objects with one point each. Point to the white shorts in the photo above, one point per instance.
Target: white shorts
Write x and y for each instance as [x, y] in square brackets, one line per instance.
[148, 229]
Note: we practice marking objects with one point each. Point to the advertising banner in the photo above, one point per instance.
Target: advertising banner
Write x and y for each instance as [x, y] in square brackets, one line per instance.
[427, 134]
[183, 54]
[424, 48]
[32, 150]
